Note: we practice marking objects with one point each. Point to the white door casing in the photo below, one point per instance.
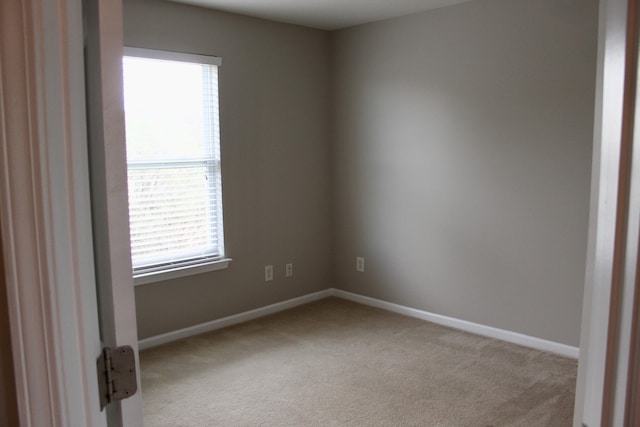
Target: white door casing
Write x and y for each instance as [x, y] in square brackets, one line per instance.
[604, 190]
[45, 211]
[613, 229]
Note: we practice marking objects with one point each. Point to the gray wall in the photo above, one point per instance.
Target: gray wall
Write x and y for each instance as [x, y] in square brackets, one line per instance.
[275, 160]
[462, 161]
[451, 149]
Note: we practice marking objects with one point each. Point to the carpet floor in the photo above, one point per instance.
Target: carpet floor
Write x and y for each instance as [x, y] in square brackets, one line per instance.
[338, 363]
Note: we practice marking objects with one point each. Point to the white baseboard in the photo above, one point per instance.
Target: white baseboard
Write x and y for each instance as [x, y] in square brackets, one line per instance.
[157, 340]
[474, 328]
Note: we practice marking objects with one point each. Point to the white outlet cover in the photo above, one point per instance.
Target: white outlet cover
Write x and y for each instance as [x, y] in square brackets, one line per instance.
[288, 270]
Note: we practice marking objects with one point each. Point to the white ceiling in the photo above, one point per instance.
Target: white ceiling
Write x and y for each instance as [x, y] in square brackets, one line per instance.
[323, 14]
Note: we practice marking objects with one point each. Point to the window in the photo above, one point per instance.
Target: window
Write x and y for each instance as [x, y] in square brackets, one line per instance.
[173, 161]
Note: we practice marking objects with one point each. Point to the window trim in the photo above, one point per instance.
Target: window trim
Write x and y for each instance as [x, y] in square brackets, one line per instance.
[208, 263]
[181, 271]
[169, 55]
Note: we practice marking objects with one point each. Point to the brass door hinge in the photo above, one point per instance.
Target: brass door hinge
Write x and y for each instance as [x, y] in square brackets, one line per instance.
[116, 374]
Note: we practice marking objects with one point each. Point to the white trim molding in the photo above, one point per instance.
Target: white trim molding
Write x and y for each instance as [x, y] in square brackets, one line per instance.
[158, 276]
[44, 213]
[202, 328]
[463, 325]
[167, 55]
[474, 328]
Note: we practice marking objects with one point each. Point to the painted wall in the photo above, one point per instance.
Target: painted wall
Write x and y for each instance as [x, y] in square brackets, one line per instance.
[462, 156]
[451, 149]
[275, 160]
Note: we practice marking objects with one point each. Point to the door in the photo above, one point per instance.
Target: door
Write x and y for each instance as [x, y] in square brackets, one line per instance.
[110, 212]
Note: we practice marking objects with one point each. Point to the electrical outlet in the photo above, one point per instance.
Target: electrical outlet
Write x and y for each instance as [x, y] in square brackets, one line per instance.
[288, 270]
[268, 273]
[360, 264]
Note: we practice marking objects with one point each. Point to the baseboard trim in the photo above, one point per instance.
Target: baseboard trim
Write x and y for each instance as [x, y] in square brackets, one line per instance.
[158, 340]
[471, 327]
[474, 328]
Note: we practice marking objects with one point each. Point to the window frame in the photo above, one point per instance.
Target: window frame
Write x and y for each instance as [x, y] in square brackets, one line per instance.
[170, 270]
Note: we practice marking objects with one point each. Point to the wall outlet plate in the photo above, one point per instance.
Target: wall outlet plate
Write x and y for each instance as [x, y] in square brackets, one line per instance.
[268, 273]
[360, 264]
[288, 270]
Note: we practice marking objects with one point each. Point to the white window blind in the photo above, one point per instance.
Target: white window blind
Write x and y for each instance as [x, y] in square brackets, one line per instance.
[173, 158]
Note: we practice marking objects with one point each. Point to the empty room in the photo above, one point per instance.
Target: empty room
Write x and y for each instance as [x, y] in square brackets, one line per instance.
[311, 213]
[448, 150]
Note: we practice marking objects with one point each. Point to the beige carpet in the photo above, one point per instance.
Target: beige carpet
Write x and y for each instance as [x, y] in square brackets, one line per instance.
[337, 363]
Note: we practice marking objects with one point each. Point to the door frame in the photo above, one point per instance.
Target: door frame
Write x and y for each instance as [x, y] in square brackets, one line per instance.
[612, 253]
[45, 214]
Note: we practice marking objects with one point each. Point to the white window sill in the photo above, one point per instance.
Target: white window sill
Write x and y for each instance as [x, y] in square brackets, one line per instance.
[176, 273]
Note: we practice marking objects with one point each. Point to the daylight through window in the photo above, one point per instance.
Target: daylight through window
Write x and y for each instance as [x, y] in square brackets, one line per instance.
[173, 158]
